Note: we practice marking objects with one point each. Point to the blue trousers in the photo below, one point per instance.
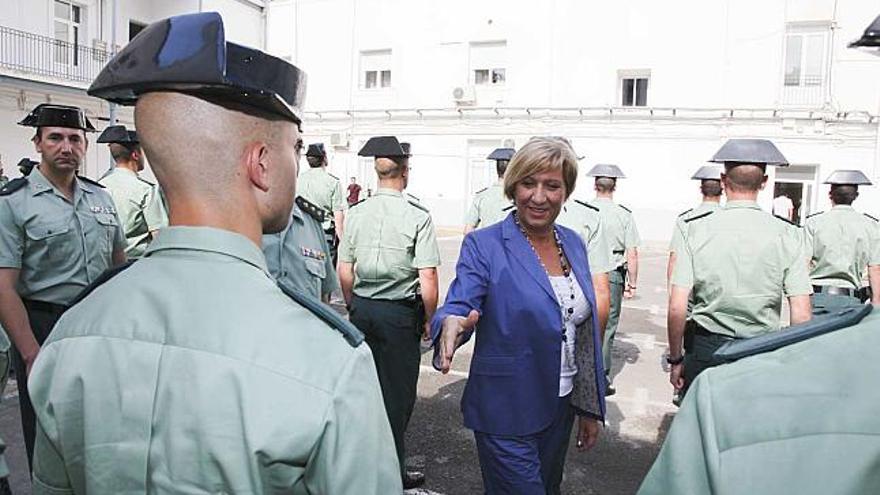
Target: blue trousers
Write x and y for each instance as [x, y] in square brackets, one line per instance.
[530, 464]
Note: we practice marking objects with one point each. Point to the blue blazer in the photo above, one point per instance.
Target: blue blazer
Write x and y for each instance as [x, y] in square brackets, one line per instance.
[513, 387]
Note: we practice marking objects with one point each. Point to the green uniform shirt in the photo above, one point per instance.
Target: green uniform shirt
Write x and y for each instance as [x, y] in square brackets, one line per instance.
[4, 377]
[322, 189]
[675, 243]
[740, 260]
[389, 239]
[139, 207]
[800, 420]
[488, 207]
[585, 219]
[191, 372]
[60, 247]
[842, 243]
[299, 258]
[620, 229]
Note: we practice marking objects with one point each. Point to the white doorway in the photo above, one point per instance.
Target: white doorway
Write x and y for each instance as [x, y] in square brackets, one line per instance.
[799, 183]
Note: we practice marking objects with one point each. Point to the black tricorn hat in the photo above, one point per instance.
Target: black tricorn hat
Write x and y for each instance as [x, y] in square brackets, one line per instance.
[501, 154]
[848, 177]
[708, 172]
[189, 54]
[750, 151]
[52, 115]
[383, 147]
[118, 134]
[316, 149]
[871, 38]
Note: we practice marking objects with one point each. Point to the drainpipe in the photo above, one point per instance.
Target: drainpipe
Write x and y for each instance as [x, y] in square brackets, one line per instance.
[115, 4]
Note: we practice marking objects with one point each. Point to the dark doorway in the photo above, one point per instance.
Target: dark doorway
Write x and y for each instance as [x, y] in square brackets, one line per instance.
[795, 192]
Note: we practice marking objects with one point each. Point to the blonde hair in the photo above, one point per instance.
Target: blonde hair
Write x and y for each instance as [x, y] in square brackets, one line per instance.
[539, 155]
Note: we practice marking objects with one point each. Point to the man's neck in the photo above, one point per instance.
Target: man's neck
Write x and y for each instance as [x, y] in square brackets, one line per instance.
[194, 212]
[711, 199]
[742, 196]
[396, 184]
[605, 195]
[62, 180]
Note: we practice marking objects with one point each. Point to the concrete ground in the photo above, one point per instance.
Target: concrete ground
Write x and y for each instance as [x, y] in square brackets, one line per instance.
[638, 416]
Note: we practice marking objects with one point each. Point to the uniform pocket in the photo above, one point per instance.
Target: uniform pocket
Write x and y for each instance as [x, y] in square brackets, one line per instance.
[316, 268]
[44, 231]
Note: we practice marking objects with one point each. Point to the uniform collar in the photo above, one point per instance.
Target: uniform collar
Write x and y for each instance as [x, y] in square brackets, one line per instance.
[297, 214]
[710, 204]
[842, 207]
[603, 200]
[211, 240]
[387, 191]
[40, 184]
[743, 203]
[123, 170]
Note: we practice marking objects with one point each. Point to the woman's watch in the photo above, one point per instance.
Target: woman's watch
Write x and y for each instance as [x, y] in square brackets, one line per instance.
[677, 360]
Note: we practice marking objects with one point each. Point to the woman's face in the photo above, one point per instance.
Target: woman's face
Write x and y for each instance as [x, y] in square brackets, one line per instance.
[539, 199]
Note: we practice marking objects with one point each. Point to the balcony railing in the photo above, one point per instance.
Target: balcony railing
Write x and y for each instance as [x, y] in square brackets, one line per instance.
[804, 92]
[50, 58]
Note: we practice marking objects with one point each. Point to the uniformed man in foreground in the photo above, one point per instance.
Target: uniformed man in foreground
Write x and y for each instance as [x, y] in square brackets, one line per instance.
[490, 205]
[844, 247]
[58, 233]
[738, 261]
[137, 199]
[323, 189]
[388, 263]
[711, 190]
[623, 241]
[299, 257]
[192, 371]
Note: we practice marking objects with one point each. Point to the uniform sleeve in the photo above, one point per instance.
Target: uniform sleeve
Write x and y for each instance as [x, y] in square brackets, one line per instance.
[355, 453]
[154, 212]
[675, 243]
[598, 250]
[472, 217]
[345, 252]
[50, 474]
[11, 237]
[796, 277]
[874, 244]
[683, 272]
[427, 253]
[119, 241]
[689, 460]
[331, 280]
[337, 201]
[631, 236]
[809, 244]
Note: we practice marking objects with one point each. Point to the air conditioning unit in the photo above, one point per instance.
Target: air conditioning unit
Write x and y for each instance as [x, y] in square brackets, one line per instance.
[464, 95]
[340, 139]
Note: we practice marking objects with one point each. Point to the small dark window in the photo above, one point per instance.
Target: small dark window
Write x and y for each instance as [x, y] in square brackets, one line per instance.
[634, 91]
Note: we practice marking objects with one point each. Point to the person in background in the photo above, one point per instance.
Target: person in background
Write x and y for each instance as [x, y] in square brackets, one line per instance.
[783, 207]
[524, 288]
[490, 205]
[323, 189]
[711, 190]
[137, 200]
[354, 192]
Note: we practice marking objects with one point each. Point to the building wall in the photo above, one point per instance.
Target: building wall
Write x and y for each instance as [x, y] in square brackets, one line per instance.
[716, 71]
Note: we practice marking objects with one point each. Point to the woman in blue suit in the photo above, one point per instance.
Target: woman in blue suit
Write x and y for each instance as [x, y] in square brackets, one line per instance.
[523, 286]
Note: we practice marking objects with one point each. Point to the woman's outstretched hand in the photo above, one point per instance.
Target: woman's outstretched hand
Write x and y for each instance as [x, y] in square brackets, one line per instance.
[453, 328]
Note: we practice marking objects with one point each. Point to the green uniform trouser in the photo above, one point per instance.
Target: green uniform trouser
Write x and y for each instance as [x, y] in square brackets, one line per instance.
[393, 331]
[616, 281]
[699, 346]
[826, 303]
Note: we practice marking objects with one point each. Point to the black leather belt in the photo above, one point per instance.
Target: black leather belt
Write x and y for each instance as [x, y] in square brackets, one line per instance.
[44, 306]
[834, 291]
[618, 251]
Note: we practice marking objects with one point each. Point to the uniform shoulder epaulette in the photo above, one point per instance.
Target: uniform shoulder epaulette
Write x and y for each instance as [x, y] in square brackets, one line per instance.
[697, 217]
[588, 205]
[352, 335]
[787, 221]
[331, 175]
[413, 197]
[90, 181]
[13, 185]
[311, 209]
[685, 212]
[101, 280]
[145, 181]
[625, 208]
[419, 206]
[811, 215]
[357, 202]
[508, 208]
[872, 218]
[481, 191]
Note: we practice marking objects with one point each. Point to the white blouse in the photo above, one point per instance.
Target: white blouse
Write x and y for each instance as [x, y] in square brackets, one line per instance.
[568, 368]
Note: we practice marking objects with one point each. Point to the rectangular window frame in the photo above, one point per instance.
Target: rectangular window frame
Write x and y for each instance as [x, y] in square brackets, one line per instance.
[488, 63]
[806, 34]
[375, 72]
[71, 22]
[633, 86]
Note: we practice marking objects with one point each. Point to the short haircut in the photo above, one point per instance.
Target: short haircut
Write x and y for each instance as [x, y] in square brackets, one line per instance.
[605, 184]
[711, 187]
[390, 167]
[315, 161]
[501, 167]
[744, 177]
[122, 152]
[539, 155]
[844, 194]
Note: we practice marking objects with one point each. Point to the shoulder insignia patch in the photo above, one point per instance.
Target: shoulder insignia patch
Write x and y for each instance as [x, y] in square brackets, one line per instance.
[787, 221]
[588, 205]
[352, 335]
[508, 208]
[685, 212]
[872, 218]
[101, 280]
[311, 209]
[625, 208]
[419, 206]
[697, 217]
[90, 181]
[13, 185]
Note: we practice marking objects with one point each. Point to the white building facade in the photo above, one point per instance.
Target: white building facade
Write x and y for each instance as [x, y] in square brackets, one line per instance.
[51, 50]
[651, 86]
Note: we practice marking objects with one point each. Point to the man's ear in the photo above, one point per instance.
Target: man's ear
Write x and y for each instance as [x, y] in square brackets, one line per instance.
[256, 156]
[763, 183]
